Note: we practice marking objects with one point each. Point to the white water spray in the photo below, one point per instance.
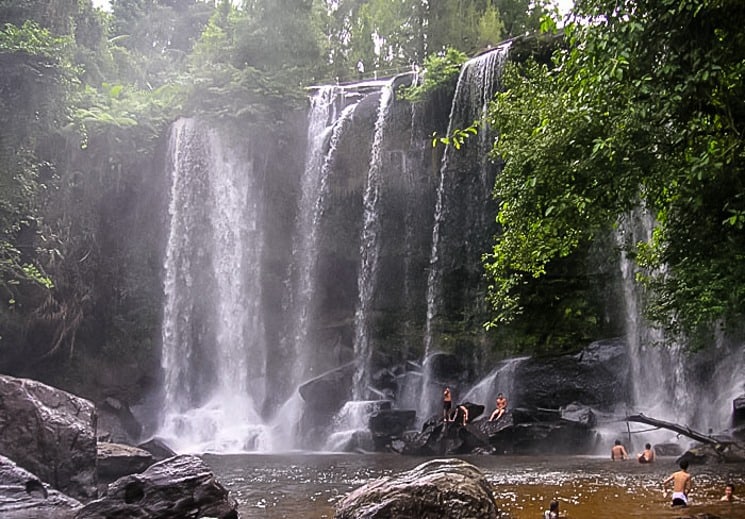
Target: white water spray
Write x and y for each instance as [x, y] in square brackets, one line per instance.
[213, 351]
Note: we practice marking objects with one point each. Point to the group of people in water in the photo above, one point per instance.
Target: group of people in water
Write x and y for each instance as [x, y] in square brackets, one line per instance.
[460, 412]
[680, 479]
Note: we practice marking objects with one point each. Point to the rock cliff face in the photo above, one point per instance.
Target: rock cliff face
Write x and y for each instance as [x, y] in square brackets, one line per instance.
[50, 433]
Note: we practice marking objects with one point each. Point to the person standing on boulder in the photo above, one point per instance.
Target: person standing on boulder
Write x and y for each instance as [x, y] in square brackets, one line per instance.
[618, 452]
[447, 404]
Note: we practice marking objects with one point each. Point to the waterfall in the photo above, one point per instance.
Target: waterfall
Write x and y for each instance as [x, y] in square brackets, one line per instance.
[463, 199]
[324, 119]
[500, 380]
[213, 348]
[668, 382]
[369, 250]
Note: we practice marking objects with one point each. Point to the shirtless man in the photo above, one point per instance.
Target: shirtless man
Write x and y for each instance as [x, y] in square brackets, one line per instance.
[447, 404]
[501, 408]
[618, 452]
[681, 484]
[647, 456]
[729, 493]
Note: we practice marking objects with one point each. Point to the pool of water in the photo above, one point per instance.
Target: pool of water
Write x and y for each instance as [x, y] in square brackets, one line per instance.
[307, 486]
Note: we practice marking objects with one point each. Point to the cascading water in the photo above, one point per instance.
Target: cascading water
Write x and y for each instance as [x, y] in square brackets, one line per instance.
[213, 351]
[463, 199]
[326, 127]
[666, 380]
[215, 354]
[369, 250]
[500, 380]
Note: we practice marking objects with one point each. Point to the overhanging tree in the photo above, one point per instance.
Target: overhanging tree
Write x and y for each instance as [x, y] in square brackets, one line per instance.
[644, 107]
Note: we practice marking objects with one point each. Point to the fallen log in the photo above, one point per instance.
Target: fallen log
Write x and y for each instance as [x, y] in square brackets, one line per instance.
[680, 429]
[719, 449]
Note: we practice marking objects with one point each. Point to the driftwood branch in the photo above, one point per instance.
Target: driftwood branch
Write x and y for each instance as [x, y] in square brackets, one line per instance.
[680, 429]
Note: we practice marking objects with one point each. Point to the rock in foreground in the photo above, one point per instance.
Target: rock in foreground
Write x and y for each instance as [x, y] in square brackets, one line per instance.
[176, 488]
[50, 433]
[24, 496]
[437, 489]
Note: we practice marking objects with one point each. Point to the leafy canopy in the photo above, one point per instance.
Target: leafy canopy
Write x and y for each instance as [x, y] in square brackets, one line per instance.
[643, 108]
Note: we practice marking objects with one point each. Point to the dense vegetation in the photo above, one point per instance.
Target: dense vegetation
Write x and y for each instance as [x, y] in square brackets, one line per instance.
[640, 107]
[642, 110]
[86, 97]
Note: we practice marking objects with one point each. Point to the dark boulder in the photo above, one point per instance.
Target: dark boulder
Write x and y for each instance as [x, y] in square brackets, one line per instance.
[392, 422]
[560, 437]
[158, 448]
[579, 414]
[597, 377]
[449, 488]
[324, 396]
[439, 438]
[116, 460]
[116, 423]
[24, 496]
[703, 454]
[176, 488]
[50, 433]
[668, 449]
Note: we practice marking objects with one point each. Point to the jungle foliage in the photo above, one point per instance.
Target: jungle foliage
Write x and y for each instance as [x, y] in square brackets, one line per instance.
[86, 98]
[641, 111]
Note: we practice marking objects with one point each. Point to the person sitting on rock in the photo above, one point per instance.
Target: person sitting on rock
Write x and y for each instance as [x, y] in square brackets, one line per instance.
[501, 408]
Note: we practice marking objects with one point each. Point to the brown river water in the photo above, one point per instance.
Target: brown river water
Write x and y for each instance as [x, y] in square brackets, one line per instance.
[306, 486]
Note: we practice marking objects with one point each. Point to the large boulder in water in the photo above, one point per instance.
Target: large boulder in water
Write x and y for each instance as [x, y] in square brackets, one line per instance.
[449, 488]
[50, 433]
[24, 496]
[387, 426]
[324, 396]
[439, 438]
[597, 377]
[179, 487]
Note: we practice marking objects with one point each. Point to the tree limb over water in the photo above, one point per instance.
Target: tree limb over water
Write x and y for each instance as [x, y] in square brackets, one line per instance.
[724, 449]
[680, 429]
